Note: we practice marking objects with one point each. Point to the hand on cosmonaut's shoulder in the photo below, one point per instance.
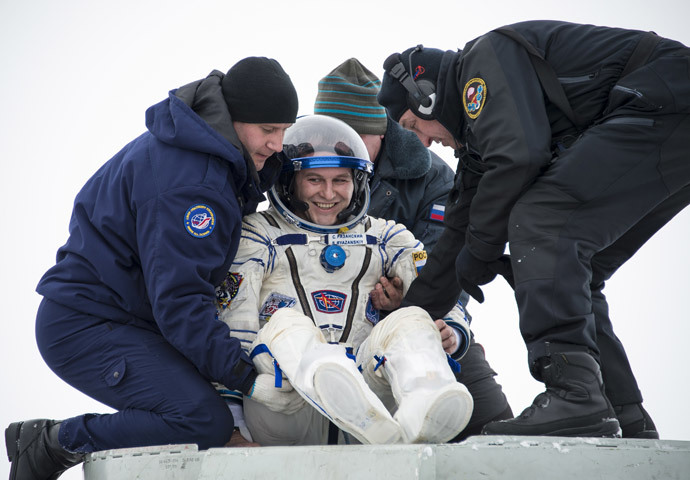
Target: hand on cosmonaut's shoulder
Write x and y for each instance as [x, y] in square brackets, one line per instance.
[387, 294]
[283, 399]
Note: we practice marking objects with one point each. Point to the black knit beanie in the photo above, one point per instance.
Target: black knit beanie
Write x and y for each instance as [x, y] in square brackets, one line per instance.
[426, 65]
[257, 90]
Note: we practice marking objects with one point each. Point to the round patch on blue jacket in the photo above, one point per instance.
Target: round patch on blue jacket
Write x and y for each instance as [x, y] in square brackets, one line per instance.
[199, 221]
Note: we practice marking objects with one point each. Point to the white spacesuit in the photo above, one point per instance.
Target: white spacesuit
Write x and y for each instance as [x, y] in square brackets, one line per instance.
[298, 298]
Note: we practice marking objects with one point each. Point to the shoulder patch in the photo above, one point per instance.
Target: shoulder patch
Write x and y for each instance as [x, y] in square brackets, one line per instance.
[419, 260]
[228, 289]
[437, 212]
[272, 303]
[199, 220]
[474, 97]
[329, 301]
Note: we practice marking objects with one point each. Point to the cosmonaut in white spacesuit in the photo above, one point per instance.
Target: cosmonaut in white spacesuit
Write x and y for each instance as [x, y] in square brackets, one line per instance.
[298, 298]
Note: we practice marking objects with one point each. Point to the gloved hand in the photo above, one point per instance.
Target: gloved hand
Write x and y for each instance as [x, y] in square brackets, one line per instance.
[283, 399]
[472, 272]
[503, 268]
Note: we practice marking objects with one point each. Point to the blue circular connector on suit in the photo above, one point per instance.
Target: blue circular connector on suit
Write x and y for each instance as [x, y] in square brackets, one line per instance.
[332, 258]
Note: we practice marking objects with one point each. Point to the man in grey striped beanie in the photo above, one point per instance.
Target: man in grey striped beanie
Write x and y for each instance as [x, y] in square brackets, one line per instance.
[410, 185]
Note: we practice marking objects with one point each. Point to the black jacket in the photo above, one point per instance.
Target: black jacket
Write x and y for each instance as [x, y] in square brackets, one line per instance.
[510, 140]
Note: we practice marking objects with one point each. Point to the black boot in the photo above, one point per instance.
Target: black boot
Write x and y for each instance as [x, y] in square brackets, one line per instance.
[474, 428]
[635, 421]
[573, 405]
[34, 451]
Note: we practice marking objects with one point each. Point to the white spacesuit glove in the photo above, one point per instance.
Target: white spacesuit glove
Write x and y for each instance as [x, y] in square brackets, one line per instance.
[283, 399]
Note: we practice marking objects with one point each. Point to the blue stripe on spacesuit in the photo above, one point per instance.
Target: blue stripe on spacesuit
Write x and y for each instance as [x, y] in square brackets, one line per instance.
[253, 259]
[263, 348]
[291, 239]
[256, 237]
[397, 255]
[385, 234]
[383, 254]
[243, 331]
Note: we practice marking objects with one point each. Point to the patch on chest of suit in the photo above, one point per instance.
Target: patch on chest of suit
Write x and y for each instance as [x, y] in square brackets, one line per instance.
[372, 314]
[272, 303]
[329, 301]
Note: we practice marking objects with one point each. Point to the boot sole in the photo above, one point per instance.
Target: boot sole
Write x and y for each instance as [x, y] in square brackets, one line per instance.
[350, 407]
[605, 428]
[649, 434]
[451, 404]
[447, 415]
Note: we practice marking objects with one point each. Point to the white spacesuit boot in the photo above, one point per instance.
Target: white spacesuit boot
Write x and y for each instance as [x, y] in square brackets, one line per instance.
[405, 350]
[325, 377]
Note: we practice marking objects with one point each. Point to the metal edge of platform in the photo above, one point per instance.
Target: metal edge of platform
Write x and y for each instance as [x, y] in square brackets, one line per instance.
[488, 457]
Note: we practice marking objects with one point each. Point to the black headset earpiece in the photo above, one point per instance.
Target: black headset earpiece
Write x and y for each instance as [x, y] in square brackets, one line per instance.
[421, 94]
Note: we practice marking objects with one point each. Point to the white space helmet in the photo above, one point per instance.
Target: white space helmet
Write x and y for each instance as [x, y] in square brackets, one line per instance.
[319, 141]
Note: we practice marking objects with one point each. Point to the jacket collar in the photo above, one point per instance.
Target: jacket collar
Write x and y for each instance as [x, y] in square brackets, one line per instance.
[403, 156]
[449, 111]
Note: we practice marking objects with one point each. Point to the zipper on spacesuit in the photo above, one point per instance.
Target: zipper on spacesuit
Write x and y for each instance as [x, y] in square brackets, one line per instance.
[355, 295]
[299, 288]
[332, 329]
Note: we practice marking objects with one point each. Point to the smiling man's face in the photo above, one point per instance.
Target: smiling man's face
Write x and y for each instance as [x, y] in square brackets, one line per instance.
[327, 191]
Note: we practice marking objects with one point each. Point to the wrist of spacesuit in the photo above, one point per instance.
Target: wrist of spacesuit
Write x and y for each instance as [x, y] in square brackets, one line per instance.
[462, 337]
[458, 319]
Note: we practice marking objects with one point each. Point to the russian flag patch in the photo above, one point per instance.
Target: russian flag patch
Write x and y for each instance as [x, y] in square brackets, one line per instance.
[437, 212]
[419, 260]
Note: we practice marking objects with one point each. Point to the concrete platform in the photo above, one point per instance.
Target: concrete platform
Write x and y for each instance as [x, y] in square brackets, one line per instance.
[483, 457]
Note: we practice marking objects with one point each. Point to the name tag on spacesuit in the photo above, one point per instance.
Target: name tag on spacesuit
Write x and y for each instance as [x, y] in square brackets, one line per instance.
[347, 239]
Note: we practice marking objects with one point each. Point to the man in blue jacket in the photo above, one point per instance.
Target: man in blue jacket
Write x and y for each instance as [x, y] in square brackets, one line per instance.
[573, 148]
[128, 314]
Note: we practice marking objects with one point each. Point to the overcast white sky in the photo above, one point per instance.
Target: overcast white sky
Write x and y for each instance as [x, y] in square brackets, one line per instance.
[78, 75]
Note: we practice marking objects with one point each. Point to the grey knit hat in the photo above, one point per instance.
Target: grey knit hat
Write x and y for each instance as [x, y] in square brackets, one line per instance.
[349, 93]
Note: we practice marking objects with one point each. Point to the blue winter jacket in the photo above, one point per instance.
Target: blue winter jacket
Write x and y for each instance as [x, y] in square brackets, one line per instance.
[156, 229]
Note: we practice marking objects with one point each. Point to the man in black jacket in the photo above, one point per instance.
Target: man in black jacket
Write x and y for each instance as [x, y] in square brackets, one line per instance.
[572, 142]
[410, 185]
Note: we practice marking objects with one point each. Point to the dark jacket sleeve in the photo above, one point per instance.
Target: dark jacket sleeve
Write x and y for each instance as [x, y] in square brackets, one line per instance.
[180, 271]
[436, 288]
[511, 134]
